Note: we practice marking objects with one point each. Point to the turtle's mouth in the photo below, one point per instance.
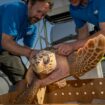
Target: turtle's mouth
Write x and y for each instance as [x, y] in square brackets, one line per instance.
[44, 63]
[42, 75]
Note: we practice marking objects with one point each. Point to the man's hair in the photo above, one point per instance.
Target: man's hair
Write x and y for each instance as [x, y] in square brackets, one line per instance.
[34, 1]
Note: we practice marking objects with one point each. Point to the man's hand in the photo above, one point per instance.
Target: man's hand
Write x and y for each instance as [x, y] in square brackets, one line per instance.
[64, 49]
[33, 53]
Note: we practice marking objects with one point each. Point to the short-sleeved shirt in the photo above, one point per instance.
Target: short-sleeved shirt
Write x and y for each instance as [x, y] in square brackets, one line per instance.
[14, 22]
[93, 12]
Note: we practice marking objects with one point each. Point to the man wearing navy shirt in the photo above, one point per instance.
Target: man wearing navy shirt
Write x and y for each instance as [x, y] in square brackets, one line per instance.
[83, 11]
[17, 20]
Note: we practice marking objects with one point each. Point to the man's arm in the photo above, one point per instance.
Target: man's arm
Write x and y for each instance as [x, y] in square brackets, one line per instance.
[10, 45]
[82, 39]
[83, 32]
[67, 48]
[83, 36]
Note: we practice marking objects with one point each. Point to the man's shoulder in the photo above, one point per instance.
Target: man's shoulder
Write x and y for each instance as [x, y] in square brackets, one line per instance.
[73, 8]
[17, 4]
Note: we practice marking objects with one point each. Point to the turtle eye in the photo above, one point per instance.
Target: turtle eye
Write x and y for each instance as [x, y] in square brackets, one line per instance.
[46, 59]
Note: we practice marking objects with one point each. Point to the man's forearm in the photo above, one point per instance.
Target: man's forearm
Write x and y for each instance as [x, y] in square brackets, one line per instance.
[79, 43]
[16, 49]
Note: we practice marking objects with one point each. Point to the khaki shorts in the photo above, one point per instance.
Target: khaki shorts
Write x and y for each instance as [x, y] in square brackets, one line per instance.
[12, 66]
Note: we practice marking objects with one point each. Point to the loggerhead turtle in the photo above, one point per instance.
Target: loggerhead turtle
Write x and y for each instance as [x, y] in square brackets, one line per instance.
[76, 64]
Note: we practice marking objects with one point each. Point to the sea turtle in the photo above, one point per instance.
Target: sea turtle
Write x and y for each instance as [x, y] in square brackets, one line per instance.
[76, 64]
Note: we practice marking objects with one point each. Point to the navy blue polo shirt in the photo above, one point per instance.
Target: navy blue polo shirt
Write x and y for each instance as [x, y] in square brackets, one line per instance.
[93, 12]
[14, 22]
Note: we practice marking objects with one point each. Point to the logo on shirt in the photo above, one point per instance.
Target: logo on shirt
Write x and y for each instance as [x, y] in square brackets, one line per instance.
[96, 12]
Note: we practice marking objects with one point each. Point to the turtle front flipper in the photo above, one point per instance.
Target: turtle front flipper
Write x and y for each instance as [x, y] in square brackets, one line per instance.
[87, 57]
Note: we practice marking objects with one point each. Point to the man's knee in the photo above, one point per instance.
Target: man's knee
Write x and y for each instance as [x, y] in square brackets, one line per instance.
[17, 64]
[14, 68]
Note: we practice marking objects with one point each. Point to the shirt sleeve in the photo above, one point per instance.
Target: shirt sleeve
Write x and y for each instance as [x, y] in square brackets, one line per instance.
[11, 20]
[101, 11]
[30, 36]
[79, 23]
